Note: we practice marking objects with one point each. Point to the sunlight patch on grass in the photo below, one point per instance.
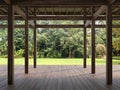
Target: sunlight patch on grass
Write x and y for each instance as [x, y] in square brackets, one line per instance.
[54, 61]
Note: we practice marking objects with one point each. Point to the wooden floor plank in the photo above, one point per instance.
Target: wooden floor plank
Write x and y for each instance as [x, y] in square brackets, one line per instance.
[60, 77]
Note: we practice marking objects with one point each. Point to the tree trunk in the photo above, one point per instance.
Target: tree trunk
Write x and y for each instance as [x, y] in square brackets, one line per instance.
[70, 53]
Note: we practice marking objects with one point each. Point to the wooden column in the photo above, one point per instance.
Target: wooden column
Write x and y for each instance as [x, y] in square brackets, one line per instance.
[35, 41]
[109, 44]
[93, 44]
[84, 61]
[10, 43]
[26, 44]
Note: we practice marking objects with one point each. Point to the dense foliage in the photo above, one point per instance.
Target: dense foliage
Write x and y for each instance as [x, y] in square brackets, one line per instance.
[59, 42]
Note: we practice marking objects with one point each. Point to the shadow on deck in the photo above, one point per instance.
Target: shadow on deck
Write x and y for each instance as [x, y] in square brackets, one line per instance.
[60, 78]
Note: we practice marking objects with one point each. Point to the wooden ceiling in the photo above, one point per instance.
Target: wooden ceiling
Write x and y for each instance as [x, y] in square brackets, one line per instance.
[59, 7]
[59, 2]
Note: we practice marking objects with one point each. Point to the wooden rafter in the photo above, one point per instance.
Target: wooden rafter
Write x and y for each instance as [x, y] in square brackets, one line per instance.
[59, 18]
[59, 26]
[61, 2]
[98, 12]
[3, 9]
[19, 11]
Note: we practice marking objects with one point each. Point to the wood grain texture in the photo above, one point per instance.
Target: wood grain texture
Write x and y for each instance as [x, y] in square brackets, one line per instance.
[11, 44]
[61, 77]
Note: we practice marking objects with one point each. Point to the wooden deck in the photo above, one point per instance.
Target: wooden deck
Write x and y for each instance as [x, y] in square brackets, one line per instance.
[60, 78]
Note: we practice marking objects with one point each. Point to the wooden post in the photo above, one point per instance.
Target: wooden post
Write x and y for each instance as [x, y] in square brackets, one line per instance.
[10, 43]
[26, 43]
[35, 41]
[84, 61]
[93, 44]
[109, 44]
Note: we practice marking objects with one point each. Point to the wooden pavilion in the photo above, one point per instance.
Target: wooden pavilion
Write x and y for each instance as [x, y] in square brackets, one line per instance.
[87, 10]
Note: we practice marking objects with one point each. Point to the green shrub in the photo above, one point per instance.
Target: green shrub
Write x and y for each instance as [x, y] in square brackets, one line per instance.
[100, 50]
[19, 53]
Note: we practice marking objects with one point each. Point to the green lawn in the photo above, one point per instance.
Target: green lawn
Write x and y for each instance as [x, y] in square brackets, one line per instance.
[51, 61]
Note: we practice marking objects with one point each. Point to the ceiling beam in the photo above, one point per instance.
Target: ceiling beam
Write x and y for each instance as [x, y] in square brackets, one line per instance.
[60, 26]
[46, 4]
[19, 11]
[60, 2]
[58, 6]
[3, 9]
[98, 12]
[59, 18]
[15, 26]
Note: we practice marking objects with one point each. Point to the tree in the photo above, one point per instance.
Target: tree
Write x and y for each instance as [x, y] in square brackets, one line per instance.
[58, 42]
[116, 41]
[3, 41]
[100, 50]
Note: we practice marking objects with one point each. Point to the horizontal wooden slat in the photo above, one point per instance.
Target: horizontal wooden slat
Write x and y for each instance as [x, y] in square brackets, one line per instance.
[98, 12]
[16, 26]
[61, 2]
[60, 77]
[60, 18]
[60, 26]
[73, 26]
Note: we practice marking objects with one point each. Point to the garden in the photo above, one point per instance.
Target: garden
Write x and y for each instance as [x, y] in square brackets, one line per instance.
[59, 46]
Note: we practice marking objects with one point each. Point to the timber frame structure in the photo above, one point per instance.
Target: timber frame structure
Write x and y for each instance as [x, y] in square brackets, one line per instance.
[87, 10]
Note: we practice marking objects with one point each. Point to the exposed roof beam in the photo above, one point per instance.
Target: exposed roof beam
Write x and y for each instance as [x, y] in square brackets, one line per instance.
[98, 12]
[60, 2]
[60, 26]
[3, 9]
[7, 1]
[19, 11]
[57, 6]
[60, 18]
[72, 3]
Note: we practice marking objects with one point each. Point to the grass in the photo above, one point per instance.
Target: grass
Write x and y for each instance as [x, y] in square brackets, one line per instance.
[51, 61]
